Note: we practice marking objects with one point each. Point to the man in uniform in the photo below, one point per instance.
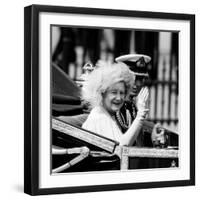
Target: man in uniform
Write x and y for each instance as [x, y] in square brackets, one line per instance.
[138, 65]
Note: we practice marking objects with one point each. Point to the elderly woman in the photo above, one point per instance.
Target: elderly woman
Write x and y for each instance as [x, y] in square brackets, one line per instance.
[106, 89]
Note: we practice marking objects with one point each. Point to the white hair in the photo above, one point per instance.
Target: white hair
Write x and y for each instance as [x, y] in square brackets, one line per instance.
[104, 76]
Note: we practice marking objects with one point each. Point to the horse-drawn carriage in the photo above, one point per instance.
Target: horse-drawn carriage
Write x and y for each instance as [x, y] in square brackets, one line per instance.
[77, 150]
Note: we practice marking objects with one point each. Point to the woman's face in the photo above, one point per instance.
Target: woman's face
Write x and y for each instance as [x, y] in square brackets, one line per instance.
[114, 97]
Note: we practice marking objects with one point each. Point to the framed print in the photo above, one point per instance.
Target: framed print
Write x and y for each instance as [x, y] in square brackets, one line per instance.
[109, 99]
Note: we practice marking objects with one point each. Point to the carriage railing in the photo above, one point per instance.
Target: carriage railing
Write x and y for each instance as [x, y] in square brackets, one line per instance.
[107, 148]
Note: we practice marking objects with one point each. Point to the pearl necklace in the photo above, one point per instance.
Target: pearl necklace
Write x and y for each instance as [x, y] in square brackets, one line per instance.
[119, 117]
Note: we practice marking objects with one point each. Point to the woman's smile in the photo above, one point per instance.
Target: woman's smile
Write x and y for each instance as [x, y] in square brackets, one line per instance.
[118, 103]
[114, 97]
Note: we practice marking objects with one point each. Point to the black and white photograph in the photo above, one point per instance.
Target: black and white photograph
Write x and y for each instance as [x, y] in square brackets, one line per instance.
[114, 99]
[109, 100]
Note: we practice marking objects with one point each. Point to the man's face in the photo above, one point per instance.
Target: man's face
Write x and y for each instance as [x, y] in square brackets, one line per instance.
[140, 81]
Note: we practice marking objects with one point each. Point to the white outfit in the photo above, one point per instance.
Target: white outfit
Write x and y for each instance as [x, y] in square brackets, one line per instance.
[100, 122]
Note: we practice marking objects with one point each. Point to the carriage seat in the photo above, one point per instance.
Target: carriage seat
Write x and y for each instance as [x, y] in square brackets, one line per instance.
[76, 120]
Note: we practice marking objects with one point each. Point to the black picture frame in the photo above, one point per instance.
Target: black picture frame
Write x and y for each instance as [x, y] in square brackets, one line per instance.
[32, 96]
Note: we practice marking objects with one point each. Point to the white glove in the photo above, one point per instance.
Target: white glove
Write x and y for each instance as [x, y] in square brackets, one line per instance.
[142, 102]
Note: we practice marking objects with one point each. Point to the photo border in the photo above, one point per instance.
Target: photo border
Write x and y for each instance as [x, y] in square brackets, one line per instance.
[31, 98]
